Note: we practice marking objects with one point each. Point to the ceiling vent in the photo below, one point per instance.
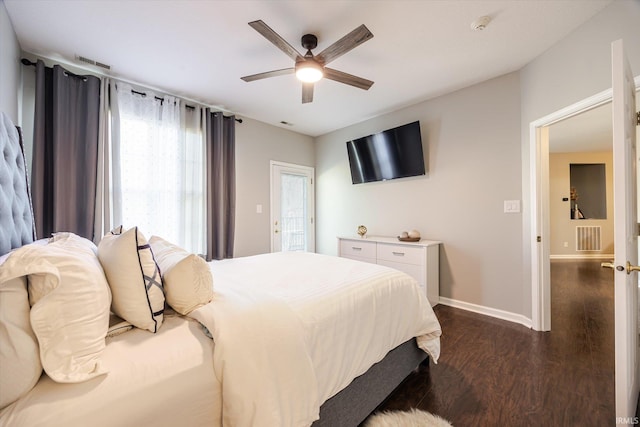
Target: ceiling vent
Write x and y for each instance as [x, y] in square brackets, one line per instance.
[92, 62]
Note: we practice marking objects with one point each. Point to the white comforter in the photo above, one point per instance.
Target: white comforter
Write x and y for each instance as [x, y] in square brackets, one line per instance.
[290, 331]
[293, 329]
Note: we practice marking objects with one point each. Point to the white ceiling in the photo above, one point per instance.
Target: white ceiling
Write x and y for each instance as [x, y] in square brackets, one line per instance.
[589, 131]
[200, 49]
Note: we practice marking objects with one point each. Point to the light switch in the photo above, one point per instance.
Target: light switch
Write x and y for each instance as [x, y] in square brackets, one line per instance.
[258, 208]
[512, 206]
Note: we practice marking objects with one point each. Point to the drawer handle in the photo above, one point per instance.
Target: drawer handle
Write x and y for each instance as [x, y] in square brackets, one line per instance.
[398, 253]
[355, 248]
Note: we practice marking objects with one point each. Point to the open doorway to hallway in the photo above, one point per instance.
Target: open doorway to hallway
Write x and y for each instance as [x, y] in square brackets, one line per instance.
[581, 236]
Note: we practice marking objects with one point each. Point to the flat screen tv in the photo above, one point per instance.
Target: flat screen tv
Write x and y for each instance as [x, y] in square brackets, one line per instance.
[393, 153]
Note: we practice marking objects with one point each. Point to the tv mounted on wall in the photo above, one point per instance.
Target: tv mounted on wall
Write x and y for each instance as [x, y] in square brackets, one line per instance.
[390, 154]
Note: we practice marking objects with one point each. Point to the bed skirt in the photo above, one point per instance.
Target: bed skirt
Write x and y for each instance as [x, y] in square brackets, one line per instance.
[352, 405]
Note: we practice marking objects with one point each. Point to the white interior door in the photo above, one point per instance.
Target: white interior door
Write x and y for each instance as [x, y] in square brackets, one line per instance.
[625, 234]
[292, 208]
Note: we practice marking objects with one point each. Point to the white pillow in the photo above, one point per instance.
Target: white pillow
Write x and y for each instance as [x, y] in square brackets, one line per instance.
[20, 366]
[70, 301]
[66, 236]
[132, 273]
[188, 283]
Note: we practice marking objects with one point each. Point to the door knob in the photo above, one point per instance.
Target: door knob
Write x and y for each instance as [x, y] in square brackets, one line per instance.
[631, 268]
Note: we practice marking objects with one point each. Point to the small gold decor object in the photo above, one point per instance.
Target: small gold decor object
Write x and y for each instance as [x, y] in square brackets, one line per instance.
[362, 230]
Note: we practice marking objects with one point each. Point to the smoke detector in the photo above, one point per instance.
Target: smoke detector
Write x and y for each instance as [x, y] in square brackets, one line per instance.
[480, 23]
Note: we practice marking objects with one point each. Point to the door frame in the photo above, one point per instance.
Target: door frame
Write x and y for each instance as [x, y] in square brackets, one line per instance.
[539, 202]
[306, 170]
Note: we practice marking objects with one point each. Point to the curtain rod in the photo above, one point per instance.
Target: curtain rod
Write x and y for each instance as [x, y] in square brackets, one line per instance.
[26, 61]
[191, 107]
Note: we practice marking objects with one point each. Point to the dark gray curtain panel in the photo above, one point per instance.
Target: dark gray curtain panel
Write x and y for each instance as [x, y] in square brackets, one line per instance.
[65, 149]
[221, 185]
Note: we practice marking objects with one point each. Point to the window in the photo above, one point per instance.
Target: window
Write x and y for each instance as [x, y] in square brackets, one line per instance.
[161, 167]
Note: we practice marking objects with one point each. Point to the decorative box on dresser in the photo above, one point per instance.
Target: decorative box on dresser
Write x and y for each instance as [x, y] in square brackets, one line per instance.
[420, 259]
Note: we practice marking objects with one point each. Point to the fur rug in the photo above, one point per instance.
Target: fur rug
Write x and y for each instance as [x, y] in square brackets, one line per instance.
[412, 418]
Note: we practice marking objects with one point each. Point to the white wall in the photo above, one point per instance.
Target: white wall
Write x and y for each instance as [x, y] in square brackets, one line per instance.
[9, 67]
[576, 68]
[472, 147]
[256, 144]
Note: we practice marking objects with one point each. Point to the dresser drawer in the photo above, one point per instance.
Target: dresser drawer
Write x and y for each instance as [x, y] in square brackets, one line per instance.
[359, 249]
[401, 253]
[413, 270]
[359, 258]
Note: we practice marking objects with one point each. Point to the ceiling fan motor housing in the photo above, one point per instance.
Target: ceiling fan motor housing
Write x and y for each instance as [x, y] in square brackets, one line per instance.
[309, 41]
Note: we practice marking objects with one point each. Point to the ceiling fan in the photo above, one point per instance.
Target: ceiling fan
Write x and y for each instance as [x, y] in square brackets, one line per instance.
[310, 68]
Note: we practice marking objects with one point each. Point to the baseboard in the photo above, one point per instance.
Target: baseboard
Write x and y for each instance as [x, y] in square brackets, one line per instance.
[582, 256]
[488, 311]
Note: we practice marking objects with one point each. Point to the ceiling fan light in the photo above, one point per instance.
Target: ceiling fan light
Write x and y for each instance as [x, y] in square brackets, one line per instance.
[308, 72]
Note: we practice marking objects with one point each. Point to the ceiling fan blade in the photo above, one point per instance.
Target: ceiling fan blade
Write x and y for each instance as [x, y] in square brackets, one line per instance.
[347, 79]
[268, 74]
[307, 93]
[345, 44]
[275, 38]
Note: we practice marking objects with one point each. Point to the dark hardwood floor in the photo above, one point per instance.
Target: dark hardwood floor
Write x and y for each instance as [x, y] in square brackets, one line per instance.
[497, 373]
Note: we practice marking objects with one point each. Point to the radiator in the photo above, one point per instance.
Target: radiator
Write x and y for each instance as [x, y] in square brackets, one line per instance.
[588, 238]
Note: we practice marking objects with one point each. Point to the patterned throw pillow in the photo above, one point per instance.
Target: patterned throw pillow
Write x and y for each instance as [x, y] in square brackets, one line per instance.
[134, 278]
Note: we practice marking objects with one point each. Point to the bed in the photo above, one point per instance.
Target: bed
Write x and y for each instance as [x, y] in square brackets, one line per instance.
[286, 339]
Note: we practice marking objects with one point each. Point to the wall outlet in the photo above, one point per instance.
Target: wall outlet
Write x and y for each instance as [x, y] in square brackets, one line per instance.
[565, 244]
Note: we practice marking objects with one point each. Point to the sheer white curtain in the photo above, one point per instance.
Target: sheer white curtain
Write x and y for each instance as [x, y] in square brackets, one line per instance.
[108, 162]
[194, 190]
[159, 152]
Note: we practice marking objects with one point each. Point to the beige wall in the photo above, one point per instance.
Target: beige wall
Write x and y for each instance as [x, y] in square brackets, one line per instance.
[471, 141]
[9, 67]
[563, 228]
[256, 144]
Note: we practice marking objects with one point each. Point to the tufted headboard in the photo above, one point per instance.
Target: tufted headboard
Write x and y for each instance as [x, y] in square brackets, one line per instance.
[16, 214]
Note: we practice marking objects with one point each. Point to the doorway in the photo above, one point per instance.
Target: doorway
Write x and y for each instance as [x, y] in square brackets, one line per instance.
[581, 229]
[625, 120]
[292, 207]
[540, 237]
